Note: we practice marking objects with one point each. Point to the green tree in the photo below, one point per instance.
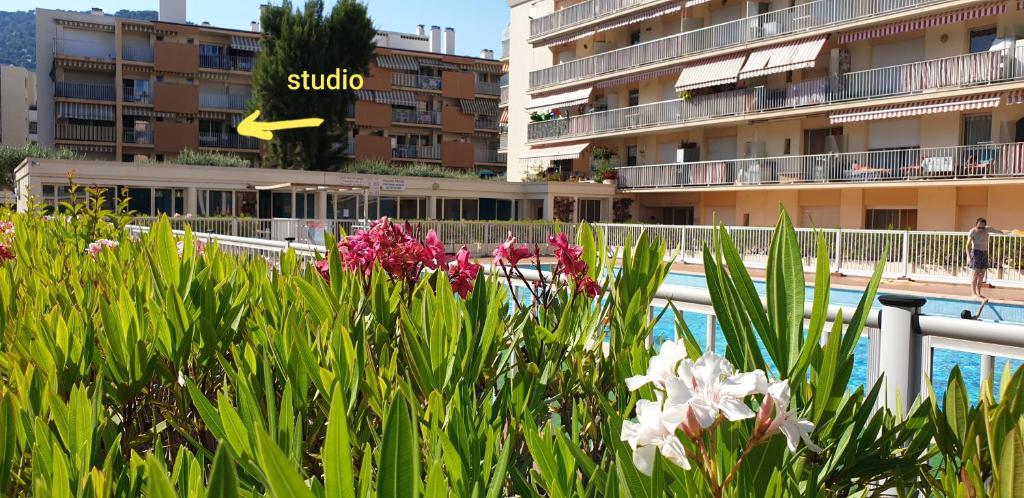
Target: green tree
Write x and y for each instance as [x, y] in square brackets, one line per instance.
[306, 40]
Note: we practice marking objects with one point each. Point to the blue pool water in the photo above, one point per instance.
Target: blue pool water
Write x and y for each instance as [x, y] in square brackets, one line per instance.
[943, 360]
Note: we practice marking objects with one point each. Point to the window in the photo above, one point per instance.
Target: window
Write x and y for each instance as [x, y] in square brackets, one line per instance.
[162, 201]
[976, 129]
[389, 207]
[305, 205]
[631, 156]
[281, 205]
[677, 215]
[217, 203]
[634, 37]
[890, 219]
[982, 39]
[589, 210]
[140, 201]
[408, 209]
[634, 98]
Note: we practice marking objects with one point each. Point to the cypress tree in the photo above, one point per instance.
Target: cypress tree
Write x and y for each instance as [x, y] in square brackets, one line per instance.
[306, 40]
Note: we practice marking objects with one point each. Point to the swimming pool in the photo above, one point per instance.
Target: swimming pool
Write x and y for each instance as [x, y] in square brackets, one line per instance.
[943, 360]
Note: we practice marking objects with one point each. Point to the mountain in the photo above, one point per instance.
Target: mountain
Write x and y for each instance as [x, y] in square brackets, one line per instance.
[18, 35]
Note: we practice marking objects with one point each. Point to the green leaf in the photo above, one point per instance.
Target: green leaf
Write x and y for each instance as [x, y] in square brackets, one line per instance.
[399, 471]
[158, 485]
[785, 291]
[223, 476]
[279, 474]
[337, 457]
[1011, 467]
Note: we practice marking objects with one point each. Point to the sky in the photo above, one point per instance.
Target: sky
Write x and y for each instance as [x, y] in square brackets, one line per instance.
[478, 23]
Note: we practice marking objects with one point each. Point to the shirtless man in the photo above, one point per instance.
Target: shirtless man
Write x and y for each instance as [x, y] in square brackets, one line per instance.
[977, 252]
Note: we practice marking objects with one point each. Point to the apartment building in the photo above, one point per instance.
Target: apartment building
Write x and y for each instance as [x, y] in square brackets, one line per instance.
[850, 113]
[17, 106]
[422, 103]
[129, 90]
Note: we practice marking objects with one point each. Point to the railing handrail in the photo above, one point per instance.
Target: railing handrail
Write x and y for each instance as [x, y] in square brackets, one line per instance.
[719, 45]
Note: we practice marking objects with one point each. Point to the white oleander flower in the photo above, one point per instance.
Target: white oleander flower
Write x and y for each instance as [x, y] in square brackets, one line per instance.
[708, 388]
[649, 434]
[787, 422]
[663, 366]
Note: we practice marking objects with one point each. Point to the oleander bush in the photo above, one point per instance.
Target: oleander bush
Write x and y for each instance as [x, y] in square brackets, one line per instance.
[147, 364]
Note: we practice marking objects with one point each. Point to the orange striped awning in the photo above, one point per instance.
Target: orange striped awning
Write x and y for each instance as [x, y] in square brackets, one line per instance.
[783, 57]
[952, 17]
[504, 116]
[712, 72]
[1016, 96]
[634, 78]
[617, 23]
[984, 101]
[694, 3]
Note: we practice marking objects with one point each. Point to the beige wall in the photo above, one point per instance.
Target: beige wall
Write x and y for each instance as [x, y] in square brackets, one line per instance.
[17, 93]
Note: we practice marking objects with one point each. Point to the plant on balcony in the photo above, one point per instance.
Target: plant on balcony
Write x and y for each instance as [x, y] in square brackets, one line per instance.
[685, 95]
[200, 158]
[606, 174]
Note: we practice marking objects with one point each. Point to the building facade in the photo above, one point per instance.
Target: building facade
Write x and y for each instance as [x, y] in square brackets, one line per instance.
[849, 113]
[129, 90]
[17, 106]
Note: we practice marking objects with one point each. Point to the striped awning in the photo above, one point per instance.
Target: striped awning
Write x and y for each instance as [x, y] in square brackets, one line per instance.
[504, 117]
[213, 115]
[487, 68]
[617, 23]
[480, 106]
[634, 78]
[712, 72]
[447, 66]
[558, 100]
[76, 110]
[366, 95]
[146, 112]
[398, 62]
[984, 101]
[952, 17]
[1015, 97]
[554, 153]
[694, 3]
[395, 97]
[783, 57]
[245, 43]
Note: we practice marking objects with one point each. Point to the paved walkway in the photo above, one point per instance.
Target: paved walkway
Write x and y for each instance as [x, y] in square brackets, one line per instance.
[955, 291]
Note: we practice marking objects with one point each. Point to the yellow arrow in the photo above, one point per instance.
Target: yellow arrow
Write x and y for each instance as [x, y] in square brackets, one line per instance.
[249, 127]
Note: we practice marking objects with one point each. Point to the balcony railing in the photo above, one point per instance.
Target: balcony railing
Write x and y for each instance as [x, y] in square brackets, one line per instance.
[227, 62]
[228, 141]
[416, 152]
[906, 79]
[579, 14]
[85, 133]
[489, 156]
[86, 49]
[488, 88]
[504, 49]
[416, 81]
[486, 123]
[415, 117]
[137, 54]
[503, 137]
[937, 163]
[141, 137]
[88, 91]
[132, 94]
[503, 98]
[222, 101]
[809, 16]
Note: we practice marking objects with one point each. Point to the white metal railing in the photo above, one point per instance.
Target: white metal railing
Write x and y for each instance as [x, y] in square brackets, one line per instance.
[933, 163]
[86, 49]
[415, 116]
[578, 14]
[489, 156]
[141, 137]
[88, 91]
[227, 62]
[223, 101]
[486, 123]
[228, 141]
[137, 53]
[503, 137]
[85, 133]
[905, 79]
[488, 88]
[416, 81]
[901, 339]
[504, 48]
[140, 95]
[416, 152]
[503, 96]
[805, 17]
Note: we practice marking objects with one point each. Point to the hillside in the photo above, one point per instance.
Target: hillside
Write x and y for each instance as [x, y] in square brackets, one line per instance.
[18, 35]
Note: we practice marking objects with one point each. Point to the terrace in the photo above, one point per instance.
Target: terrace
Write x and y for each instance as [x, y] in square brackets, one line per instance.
[411, 116]
[804, 18]
[228, 141]
[420, 81]
[85, 91]
[223, 101]
[428, 152]
[974, 71]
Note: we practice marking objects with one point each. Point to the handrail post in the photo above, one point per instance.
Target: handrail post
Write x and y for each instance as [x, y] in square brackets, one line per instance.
[710, 332]
[988, 367]
[906, 255]
[839, 251]
[899, 352]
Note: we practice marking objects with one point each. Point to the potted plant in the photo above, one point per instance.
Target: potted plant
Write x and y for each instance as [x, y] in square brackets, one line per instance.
[609, 176]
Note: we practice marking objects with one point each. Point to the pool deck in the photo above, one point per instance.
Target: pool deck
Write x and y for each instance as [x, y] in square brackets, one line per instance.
[1008, 295]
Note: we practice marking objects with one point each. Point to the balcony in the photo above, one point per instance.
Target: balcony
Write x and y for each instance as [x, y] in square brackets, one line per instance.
[907, 79]
[504, 49]
[579, 14]
[798, 19]
[85, 133]
[503, 96]
[227, 141]
[491, 156]
[137, 54]
[503, 137]
[227, 62]
[486, 123]
[415, 117]
[138, 137]
[429, 152]
[488, 88]
[85, 49]
[223, 101]
[87, 91]
[939, 163]
[140, 96]
[416, 81]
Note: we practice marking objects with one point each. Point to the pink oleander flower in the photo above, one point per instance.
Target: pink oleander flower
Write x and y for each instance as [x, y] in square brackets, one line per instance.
[6, 253]
[97, 247]
[198, 244]
[511, 253]
[323, 267]
[463, 273]
[433, 251]
[589, 287]
[6, 228]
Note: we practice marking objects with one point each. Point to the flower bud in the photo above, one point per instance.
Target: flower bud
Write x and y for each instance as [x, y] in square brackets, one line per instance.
[691, 426]
[764, 417]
